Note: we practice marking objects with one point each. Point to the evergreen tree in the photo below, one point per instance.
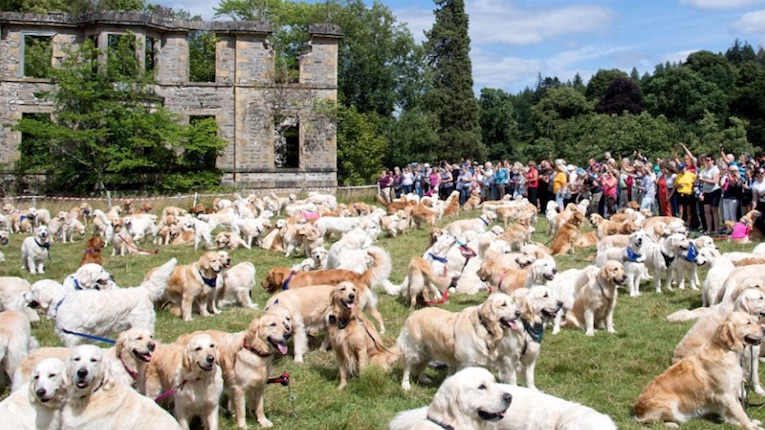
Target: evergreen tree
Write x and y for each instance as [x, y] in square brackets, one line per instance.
[451, 98]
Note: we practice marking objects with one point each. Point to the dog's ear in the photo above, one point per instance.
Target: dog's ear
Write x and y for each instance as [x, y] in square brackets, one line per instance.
[448, 402]
[119, 345]
[187, 357]
[490, 315]
[726, 333]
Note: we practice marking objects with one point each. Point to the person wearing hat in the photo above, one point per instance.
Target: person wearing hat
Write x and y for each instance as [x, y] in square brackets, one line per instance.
[732, 191]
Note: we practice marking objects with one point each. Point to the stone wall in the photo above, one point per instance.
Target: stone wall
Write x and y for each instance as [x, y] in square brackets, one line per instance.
[244, 98]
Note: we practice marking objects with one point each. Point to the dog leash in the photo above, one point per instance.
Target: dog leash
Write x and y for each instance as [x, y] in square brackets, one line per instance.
[140, 251]
[284, 381]
[89, 336]
[746, 384]
[170, 392]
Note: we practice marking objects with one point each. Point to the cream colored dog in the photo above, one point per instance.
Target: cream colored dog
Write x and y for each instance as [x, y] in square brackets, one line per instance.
[469, 399]
[97, 401]
[35, 250]
[15, 341]
[37, 404]
[196, 283]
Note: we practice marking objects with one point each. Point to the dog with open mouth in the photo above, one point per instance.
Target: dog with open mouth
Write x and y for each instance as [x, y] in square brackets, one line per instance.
[37, 403]
[521, 345]
[189, 371]
[469, 399]
[35, 250]
[706, 382]
[97, 401]
[245, 359]
[471, 337]
[354, 339]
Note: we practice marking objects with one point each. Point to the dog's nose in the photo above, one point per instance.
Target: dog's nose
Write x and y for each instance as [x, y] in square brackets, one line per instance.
[351, 296]
[211, 359]
[82, 372]
[517, 313]
[40, 392]
[287, 336]
[152, 345]
[555, 271]
[507, 398]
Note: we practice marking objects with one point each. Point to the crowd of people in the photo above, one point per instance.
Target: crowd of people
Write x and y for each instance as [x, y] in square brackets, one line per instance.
[705, 190]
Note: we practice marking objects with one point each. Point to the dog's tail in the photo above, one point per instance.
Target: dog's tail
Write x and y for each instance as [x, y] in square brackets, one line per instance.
[157, 281]
[380, 270]
[392, 289]
[380, 199]
[687, 314]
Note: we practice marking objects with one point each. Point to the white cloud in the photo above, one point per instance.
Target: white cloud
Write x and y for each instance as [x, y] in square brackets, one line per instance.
[492, 21]
[752, 22]
[195, 7]
[680, 56]
[721, 4]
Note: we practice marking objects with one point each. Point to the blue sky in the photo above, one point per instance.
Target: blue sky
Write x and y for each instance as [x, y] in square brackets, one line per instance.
[512, 41]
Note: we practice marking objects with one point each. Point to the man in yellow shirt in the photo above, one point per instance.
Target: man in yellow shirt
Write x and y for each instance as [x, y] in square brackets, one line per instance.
[684, 187]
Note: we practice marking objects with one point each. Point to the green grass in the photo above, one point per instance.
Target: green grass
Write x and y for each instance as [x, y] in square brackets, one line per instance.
[606, 372]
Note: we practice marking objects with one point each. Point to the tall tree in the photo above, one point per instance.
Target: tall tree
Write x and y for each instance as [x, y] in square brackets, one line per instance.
[600, 81]
[498, 126]
[450, 97]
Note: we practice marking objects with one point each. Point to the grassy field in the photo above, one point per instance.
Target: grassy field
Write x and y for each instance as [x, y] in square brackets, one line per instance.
[606, 372]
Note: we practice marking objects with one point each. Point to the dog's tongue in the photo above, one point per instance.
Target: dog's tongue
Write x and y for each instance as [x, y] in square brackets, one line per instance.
[282, 348]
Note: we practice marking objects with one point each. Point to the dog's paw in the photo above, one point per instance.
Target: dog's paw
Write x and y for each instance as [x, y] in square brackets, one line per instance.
[589, 333]
[406, 386]
[265, 423]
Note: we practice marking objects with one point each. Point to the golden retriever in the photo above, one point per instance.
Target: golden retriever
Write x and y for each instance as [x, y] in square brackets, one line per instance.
[452, 204]
[93, 248]
[195, 283]
[36, 405]
[533, 409]
[750, 301]
[518, 233]
[353, 337]
[98, 402]
[469, 399]
[586, 240]
[422, 214]
[466, 338]
[421, 280]
[507, 279]
[16, 341]
[566, 234]
[191, 375]
[707, 382]
[245, 358]
[521, 345]
[595, 302]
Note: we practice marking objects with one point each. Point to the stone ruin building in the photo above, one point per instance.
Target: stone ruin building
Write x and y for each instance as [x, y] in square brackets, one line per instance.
[277, 139]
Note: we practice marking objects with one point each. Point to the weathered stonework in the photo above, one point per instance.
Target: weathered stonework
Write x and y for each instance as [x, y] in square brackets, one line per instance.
[245, 98]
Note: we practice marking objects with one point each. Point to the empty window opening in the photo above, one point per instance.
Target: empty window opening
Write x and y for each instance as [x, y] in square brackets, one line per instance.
[38, 52]
[34, 149]
[121, 57]
[150, 53]
[287, 143]
[204, 158]
[202, 56]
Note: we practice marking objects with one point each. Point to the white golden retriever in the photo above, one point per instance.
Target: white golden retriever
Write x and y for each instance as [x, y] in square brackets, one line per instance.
[469, 399]
[36, 405]
[97, 401]
[238, 282]
[90, 276]
[34, 250]
[100, 313]
[15, 341]
[534, 410]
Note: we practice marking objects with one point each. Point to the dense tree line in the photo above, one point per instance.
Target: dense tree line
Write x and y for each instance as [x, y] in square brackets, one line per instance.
[399, 101]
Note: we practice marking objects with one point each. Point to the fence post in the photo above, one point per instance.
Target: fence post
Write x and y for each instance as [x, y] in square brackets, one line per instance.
[109, 199]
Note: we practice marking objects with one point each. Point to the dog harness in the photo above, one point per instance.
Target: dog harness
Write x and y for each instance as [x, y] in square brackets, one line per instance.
[287, 281]
[535, 331]
[485, 222]
[132, 374]
[210, 282]
[45, 245]
[667, 259]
